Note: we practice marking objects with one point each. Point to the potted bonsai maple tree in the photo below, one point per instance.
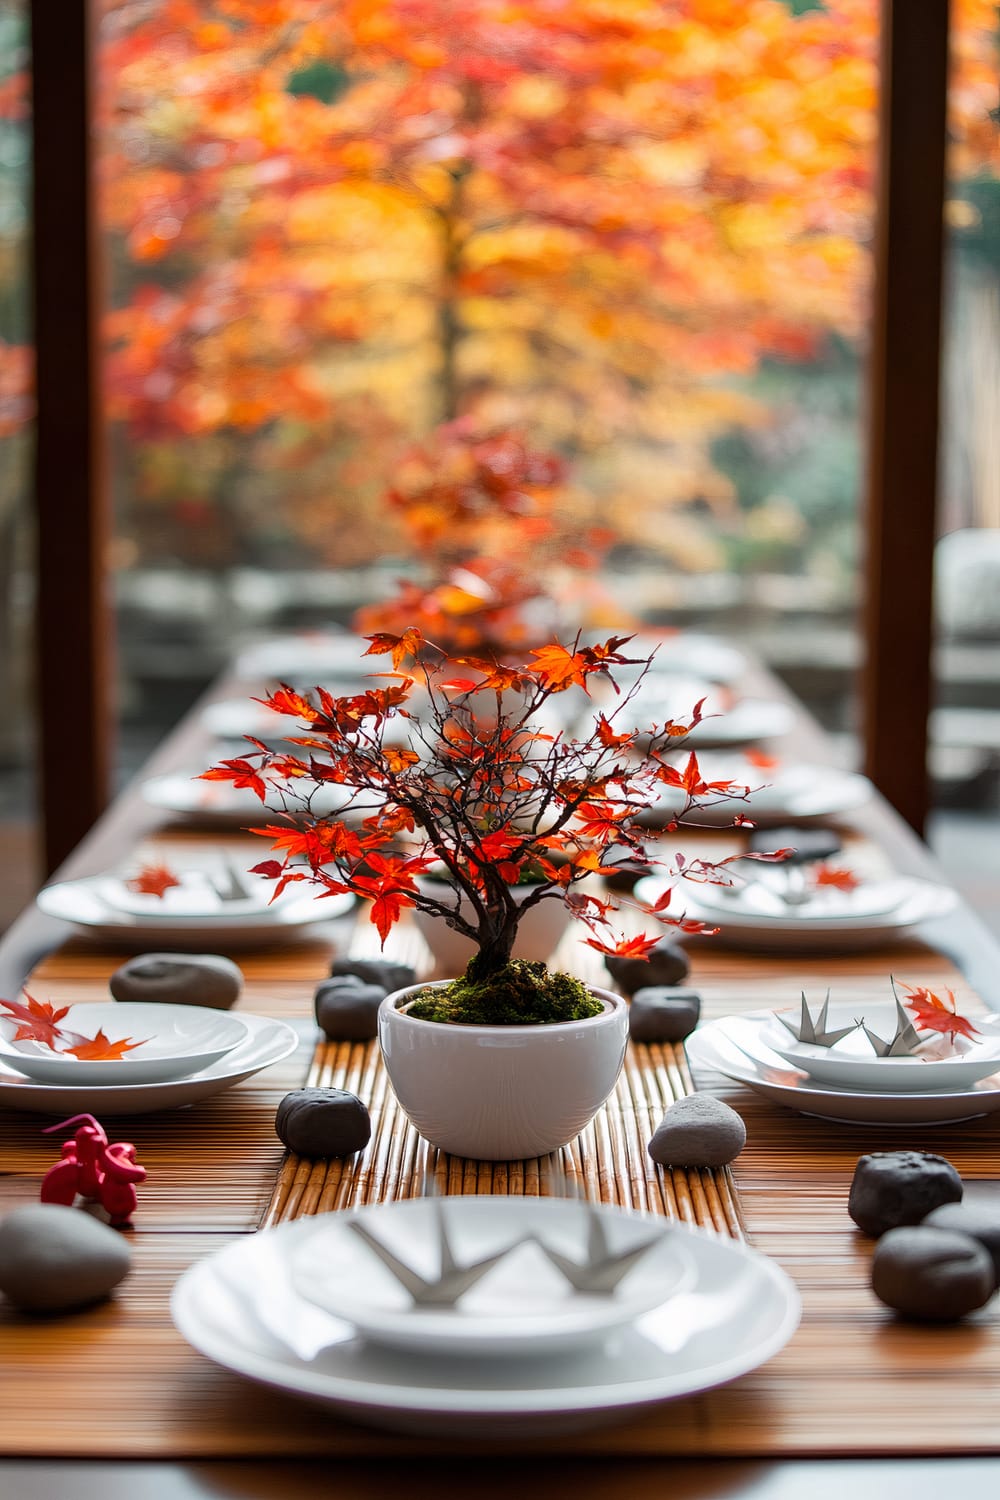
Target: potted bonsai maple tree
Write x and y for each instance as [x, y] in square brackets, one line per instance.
[507, 1059]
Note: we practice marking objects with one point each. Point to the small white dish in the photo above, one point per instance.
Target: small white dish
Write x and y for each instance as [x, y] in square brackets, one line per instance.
[788, 931]
[522, 1305]
[732, 1047]
[852, 1063]
[762, 897]
[166, 1041]
[239, 1308]
[267, 1042]
[85, 903]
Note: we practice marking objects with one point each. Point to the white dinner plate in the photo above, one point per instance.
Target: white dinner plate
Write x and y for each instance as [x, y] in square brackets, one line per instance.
[731, 1046]
[778, 794]
[233, 718]
[743, 721]
[84, 903]
[239, 1308]
[689, 653]
[762, 896]
[220, 804]
[165, 1041]
[790, 932]
[267, 1042]
[311, 656]
[523, 1304]
[852, 1063]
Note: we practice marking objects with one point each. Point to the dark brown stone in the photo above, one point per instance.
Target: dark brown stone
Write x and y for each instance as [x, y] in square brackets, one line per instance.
[893, 1188]
[666, 965]
[323, 1122]
[375, 971]
[931, 1275]
[347, 1008]
[982, 1224]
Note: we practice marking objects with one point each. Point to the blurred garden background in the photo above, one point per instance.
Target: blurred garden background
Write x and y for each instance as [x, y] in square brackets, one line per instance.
[367, 256]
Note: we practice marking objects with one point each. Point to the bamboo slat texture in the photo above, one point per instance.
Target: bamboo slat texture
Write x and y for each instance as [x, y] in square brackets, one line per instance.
[116, 1380]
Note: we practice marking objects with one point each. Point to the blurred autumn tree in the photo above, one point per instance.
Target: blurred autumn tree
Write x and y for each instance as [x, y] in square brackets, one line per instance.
[337, 223]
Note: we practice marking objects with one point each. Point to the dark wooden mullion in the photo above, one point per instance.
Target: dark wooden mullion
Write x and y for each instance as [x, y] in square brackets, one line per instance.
[73, 617]
[903, 414]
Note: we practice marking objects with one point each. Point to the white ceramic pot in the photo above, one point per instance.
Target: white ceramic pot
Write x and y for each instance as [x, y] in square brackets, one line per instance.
[538, 934]
[501, 1093]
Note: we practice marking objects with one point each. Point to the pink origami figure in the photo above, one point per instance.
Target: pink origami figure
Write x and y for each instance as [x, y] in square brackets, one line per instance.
[94, 1168]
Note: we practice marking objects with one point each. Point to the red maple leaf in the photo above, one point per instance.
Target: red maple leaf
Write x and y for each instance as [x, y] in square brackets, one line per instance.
[634, 947]
[932, 1013]
[101, 1049]
[153, 880]
[240, 772]
[38, 1020]
[558, 668]
[838, 879]
[400, 646]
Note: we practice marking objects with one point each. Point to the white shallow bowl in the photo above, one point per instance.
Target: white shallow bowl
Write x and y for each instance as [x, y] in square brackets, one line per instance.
[267, 1042]
[84, 903]
[791, 932]
[175, 1041]
[522, 1305]
[733, 1048]
[853, 1064]
[239, 1308]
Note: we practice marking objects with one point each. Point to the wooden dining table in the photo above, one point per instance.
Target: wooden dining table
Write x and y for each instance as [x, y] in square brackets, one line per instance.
[110, 1401]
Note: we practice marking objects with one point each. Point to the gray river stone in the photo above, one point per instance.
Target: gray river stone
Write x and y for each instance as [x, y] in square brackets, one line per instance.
[323, 1122]
[347, 1008]
[54, 1258]
[932, 1275]
[893, 1188]
[179, 979]
[698, 1131]
[666, 965]
[660, 1014]
[979, 1223]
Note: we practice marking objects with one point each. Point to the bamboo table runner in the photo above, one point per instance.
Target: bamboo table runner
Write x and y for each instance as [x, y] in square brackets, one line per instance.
[116, 1380]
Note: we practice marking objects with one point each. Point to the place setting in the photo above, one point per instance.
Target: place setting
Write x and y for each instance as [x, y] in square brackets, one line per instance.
[473, 1314]
[808, 906]
[910, 1058]
[191, 905]
[727, 719]
[765, 790]
[128, 1058]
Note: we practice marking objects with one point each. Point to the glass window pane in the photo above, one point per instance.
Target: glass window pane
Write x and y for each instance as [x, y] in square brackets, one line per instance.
[18, 855]
[965, 739]
[570, 306]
